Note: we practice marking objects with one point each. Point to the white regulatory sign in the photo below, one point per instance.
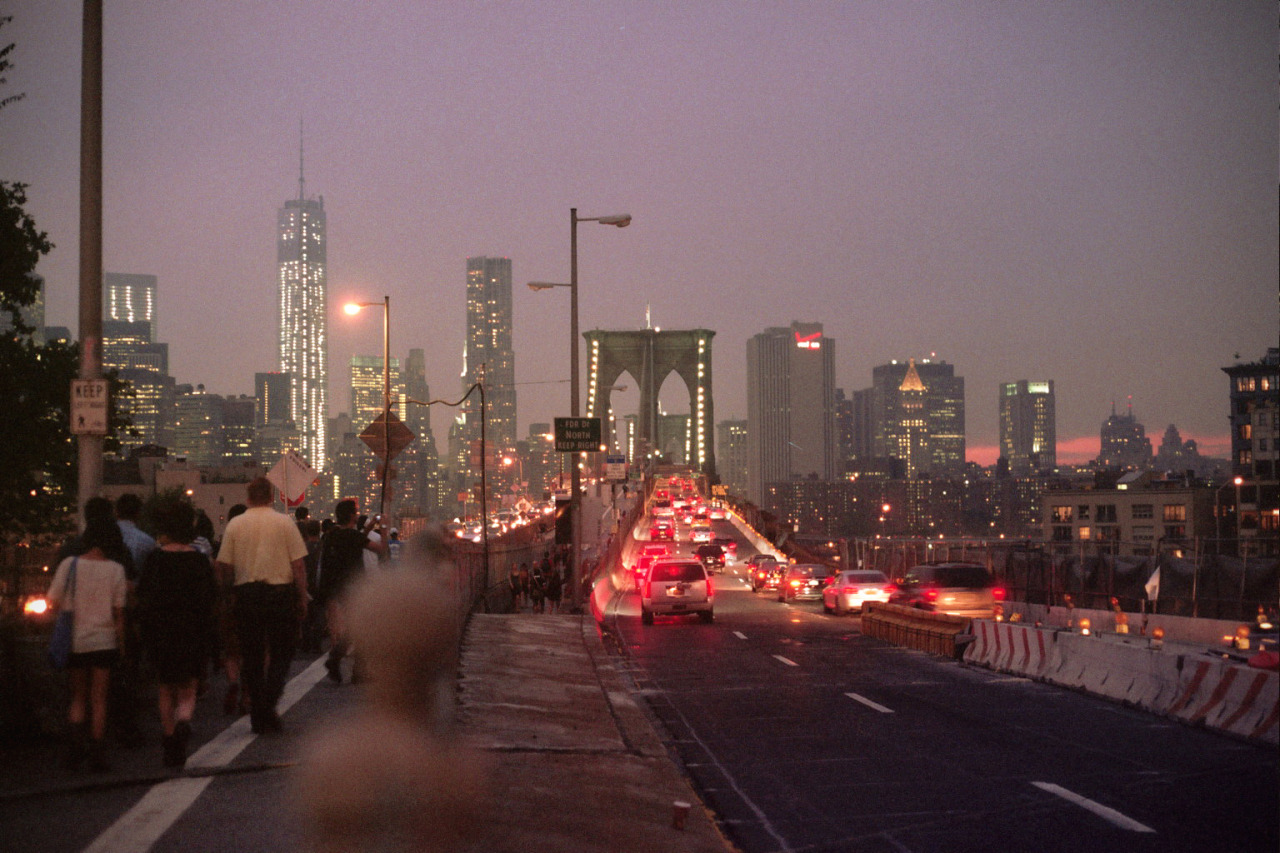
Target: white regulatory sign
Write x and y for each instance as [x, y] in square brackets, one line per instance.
[88, 407]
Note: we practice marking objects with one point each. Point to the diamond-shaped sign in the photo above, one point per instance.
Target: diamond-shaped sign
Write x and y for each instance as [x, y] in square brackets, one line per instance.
[387, 435]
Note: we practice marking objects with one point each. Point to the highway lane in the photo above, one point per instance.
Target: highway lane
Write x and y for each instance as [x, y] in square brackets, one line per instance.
[804, 735]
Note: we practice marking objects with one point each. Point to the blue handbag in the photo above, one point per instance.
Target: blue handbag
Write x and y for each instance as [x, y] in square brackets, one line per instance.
[64, 625]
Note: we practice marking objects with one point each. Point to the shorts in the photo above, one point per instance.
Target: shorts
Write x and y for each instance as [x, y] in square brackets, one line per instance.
[101, 659]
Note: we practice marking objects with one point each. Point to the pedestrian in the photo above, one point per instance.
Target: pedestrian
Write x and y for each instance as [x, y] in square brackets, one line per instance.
[313, 626]
[264, 557]
[96, 596]
[524, 585]
[513, 581]
[234, 700]
[126, 699]
[342, 563]
[177, 596]
[555, 588]
[203, 542]
[537, 589]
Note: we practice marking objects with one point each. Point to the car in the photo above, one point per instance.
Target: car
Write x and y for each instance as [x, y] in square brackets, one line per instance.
[641, 568]
[729, 545]
[662, 530]
[677, 586]
[852, 588]
[960, 589]
[663, 510]
[717, 513]
[762, 571]
[803, 582]
[711, 556]
[701, 533]
[656, 549]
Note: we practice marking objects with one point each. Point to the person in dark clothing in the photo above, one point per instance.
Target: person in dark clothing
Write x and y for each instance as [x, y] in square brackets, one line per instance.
[177, 595]
[341, 564]
[555, 589]
[313, 627]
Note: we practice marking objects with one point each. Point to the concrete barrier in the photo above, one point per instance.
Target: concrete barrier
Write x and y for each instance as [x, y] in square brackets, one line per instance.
[937, 633]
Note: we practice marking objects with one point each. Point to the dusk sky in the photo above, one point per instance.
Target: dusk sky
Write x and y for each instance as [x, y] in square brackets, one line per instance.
[1077, 191]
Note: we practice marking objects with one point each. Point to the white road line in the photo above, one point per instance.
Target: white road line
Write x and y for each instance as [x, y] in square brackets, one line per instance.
[786, 661]
[872, 705]
[1105, 812]
[141, 827]
[739, 635]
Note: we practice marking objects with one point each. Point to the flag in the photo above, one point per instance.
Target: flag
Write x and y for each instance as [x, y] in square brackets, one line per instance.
[1153, 585]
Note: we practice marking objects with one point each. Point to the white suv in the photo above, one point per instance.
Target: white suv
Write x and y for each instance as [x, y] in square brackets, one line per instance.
[676, 586]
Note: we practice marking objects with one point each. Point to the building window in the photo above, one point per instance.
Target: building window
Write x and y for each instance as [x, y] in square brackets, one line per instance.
[1175, 531]
[1175, 512]
[1106, 514]
[1061, 515]
[1145, 533]
[1083, 512]
[1085, 534]
[1246, 431]
[1143, 511]
[1062, 534]
[1110, 533]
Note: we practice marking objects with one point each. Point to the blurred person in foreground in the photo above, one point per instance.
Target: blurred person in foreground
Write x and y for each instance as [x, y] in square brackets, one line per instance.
[264, 558]
[177, 595]
[97, 598]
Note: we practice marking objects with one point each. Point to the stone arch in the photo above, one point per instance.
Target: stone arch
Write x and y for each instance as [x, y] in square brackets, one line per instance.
[651, 356]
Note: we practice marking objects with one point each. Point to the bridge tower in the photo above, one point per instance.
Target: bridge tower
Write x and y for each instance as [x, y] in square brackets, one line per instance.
[650, 356]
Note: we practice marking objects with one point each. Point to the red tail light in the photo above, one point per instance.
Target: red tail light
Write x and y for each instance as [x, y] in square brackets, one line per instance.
[931, 595]
[998, 593]
[849, 590]
[890, 588]
[711, 590]
[647, 590]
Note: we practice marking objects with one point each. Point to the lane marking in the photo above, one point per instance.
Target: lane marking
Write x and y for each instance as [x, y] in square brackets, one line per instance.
[875, 706]
[1105, 812]
[140, 828]
[786, 661]
[739, 635]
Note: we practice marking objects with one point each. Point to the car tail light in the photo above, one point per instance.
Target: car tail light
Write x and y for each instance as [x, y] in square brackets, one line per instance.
[998, 593]
[931, 594]
[849, 590]
[890, 588]
[711, 590]
[797, 584]
[647, 590]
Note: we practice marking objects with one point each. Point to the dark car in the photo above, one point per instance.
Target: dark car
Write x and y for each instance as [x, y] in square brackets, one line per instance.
[711, 556]
[761, 570]
[804, 581]
[961, 589]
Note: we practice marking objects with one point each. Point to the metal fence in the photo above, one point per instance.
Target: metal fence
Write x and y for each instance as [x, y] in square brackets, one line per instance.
[1195, 582]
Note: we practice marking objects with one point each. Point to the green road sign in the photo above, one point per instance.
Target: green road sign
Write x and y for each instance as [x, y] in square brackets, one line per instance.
[578, 435]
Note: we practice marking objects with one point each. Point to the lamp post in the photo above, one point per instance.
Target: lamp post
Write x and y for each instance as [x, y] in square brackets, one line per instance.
[353, 308]
[1217, 511]
[621, 220]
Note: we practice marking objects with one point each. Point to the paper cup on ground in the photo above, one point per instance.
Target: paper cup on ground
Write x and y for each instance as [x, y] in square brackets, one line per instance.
[679, 814]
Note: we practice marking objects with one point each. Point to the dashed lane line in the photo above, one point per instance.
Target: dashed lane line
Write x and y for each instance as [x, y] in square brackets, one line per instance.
[787, 661]
[1105, 812]
[875, 706]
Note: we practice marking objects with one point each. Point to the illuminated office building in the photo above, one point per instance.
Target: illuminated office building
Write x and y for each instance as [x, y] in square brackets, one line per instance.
[1028, 434]
[301, 258]
[130, 298]
[366, 390]
[917, 416]
[489, 351]
[791, 429]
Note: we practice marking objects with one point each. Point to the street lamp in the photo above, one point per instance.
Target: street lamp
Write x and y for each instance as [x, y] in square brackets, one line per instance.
[352, 309]
[621, 220]
[1217, 511]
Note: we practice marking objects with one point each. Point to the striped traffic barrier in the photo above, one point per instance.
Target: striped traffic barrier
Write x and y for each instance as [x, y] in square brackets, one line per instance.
[1251, 705]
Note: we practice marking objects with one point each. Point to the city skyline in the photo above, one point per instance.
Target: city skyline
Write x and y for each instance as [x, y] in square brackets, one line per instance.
[1022, 197]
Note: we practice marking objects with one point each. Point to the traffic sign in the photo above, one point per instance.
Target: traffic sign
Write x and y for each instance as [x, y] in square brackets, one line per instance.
[88, 407]
[387, 429]
[578, 435]
[615, 468]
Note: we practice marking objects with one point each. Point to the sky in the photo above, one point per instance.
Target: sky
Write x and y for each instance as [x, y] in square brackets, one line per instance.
[1084, 192]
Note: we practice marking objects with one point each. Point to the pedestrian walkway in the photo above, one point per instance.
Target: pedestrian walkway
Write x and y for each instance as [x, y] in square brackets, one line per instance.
[579, 765]
[576, 763]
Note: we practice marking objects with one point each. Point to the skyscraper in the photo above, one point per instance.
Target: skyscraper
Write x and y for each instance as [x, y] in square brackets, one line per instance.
[489, 349]
[130, 298]
[917, 416]
[301, 258]
[1124, 442]
[791, 430]
[1028, 431]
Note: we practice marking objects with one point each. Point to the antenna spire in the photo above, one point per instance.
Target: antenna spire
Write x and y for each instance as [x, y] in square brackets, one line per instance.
[302, 180]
